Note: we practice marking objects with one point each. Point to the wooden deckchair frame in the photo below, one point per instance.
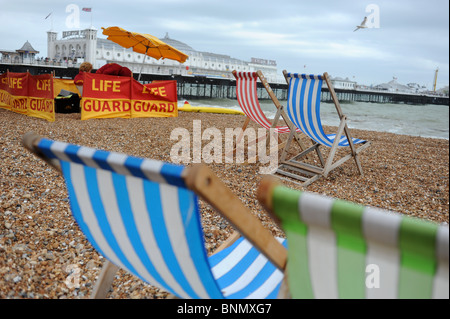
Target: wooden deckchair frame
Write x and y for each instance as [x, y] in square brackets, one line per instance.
[200, 179]
[280, 113]
[313, 171]
[264, 196]
[372, 230]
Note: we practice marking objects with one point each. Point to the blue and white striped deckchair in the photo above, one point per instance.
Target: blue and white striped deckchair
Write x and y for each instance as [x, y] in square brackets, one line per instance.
[303, 109]
[338, 249]
[143, 216]
[247, 97]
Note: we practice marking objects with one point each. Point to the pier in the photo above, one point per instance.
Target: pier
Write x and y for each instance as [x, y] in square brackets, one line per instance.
[199, 87]
[384, 97]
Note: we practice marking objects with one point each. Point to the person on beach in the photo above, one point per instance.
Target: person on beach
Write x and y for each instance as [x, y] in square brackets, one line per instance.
[114, 69]
[79, 78]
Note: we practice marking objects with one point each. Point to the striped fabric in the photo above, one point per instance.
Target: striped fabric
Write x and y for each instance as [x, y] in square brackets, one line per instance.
[338, 249]
[139, 214]
[247, 97]
[256, 278]
[303, 108]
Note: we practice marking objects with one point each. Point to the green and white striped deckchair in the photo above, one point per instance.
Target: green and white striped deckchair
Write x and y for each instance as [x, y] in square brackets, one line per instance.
[338, 249]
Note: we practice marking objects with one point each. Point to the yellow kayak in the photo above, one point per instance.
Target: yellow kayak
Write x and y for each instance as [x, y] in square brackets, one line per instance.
[205, 109]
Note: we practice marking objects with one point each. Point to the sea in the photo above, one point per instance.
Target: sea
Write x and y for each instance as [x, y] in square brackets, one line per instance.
[416, 120]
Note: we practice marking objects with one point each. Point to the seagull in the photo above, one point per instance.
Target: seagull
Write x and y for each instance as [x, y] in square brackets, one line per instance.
[362, 25]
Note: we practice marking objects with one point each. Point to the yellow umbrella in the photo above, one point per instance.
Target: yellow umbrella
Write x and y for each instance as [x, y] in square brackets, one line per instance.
[144, 43]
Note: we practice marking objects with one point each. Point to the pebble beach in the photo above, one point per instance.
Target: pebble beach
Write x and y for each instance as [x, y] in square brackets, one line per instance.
[41, 246]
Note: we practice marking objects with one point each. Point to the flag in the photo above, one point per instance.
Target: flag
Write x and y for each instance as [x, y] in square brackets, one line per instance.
[87, 9]
[48, 16]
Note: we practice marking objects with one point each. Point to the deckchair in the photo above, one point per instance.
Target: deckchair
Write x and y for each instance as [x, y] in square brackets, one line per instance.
[303, 109]
[339, 249]
[143, 216]
[247, 96]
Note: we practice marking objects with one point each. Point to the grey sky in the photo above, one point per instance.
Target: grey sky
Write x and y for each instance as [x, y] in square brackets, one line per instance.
[412, 39]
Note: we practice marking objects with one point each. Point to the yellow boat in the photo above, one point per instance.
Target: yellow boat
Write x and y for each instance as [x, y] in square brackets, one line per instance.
[205, 109]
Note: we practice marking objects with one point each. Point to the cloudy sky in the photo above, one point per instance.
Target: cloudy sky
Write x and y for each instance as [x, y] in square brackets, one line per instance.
[407, 39]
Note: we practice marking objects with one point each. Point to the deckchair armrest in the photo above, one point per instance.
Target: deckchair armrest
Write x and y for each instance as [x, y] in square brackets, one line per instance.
[264, 195]
[30, 141]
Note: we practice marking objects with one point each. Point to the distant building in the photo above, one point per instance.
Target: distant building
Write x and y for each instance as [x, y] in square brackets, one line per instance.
[84, 45]
[77, 46]
[416, 88]
[443, 91]
[26, 54]
[344, 84]
[394, 86]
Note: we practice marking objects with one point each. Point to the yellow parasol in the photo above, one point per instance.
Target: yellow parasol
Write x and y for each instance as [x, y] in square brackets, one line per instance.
[144, 43]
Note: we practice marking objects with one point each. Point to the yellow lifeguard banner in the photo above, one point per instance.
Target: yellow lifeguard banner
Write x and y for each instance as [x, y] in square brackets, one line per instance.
[28, 94]
[41, 101]
[107, 96]
[104, 96]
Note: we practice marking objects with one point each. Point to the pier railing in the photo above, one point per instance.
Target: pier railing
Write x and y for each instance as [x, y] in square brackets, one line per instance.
[198, 87]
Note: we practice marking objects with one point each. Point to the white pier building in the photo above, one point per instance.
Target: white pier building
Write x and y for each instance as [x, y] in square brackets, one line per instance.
[77, 46]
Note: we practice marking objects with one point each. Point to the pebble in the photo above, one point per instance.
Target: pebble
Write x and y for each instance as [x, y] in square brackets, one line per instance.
[41, 246]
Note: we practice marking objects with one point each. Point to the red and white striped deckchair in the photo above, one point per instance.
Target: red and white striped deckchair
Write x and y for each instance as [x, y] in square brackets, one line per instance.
[247, 96]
